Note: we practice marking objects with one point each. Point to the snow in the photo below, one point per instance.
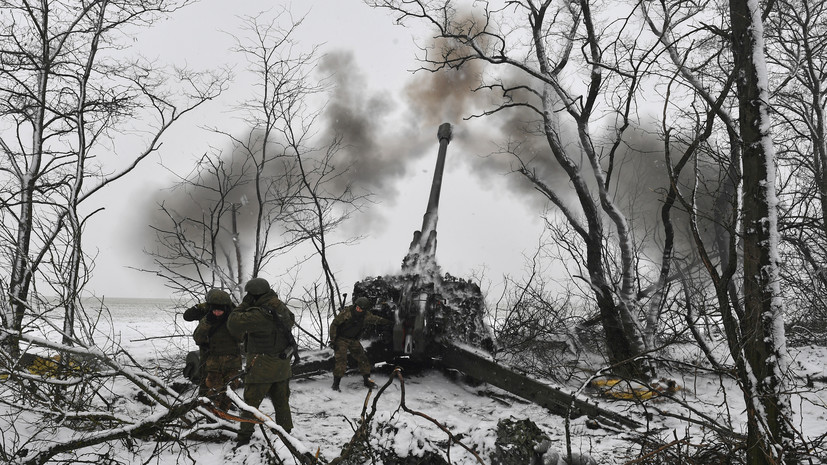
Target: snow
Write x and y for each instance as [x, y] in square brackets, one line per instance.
[325, 420]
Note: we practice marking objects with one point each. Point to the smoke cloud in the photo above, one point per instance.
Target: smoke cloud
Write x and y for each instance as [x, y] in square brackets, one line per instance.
[376, 154]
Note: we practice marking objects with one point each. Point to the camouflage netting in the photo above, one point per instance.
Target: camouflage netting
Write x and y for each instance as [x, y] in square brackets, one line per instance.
[457, 319]
[516, 441]
[465, 311]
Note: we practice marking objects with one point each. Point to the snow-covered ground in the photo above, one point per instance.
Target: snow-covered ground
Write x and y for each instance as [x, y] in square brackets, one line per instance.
[325, 420]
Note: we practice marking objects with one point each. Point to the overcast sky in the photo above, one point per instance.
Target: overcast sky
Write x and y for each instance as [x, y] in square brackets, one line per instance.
[480, 223]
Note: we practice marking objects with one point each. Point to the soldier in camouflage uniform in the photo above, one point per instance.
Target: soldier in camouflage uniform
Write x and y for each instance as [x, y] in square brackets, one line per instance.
[223, 353]
[214, 297]
[264, 322]
[345, 331]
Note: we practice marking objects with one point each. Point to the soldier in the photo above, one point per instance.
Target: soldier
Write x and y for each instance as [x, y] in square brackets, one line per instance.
[264, 323]
[345, 331]
[196, 313]
[223, 354]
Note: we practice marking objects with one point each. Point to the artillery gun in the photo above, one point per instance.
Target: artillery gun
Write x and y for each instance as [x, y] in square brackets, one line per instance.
[426, 305]
[440, 318]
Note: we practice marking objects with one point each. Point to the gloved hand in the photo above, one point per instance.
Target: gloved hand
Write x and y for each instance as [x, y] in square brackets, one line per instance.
[211, 318]
[195, 313]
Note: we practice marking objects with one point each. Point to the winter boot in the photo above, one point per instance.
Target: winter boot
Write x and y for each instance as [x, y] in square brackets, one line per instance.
[242, 441]
[369, 382]
[336, 380]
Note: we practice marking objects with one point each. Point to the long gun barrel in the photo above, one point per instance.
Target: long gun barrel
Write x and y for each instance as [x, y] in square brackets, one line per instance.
[423, 247]
[429, 220]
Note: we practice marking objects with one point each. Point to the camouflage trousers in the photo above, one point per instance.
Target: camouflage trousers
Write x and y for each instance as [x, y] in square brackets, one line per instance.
[341, 348]
[279, 393]
[216, 383]
[202, 373]
[222, 370]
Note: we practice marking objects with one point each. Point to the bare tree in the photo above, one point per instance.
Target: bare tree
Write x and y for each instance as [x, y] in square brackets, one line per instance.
[67, 96]
[753, 318]
[67, 92]
[72, 395]
[534, 323]
[796, 40]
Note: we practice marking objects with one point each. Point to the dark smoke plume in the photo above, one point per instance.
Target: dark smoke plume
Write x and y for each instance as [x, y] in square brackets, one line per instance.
[203, 200]
[227, 176]
[376, 153]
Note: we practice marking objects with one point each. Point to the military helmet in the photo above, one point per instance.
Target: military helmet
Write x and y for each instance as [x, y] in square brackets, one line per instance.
[364, 303]
[257, 286]
[218, 297]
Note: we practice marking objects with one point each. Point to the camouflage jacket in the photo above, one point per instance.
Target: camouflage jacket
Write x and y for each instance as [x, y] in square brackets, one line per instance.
[254, 322]
[215, 338]
[348, 326]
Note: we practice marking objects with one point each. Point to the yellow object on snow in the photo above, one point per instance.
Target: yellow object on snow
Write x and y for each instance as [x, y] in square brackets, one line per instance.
[46, 367]
[631, 390]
